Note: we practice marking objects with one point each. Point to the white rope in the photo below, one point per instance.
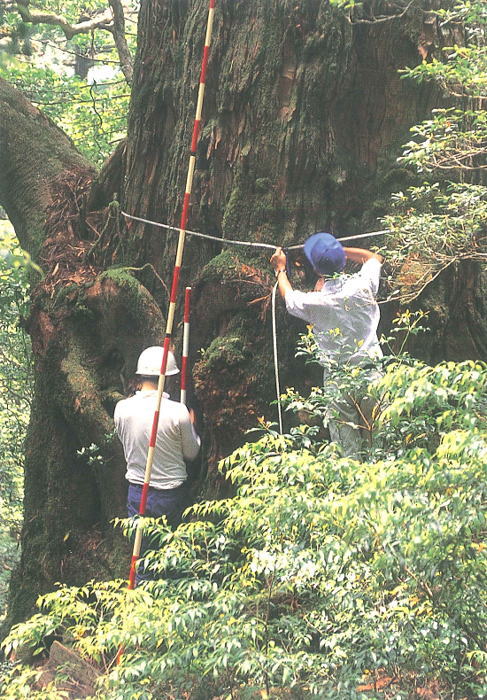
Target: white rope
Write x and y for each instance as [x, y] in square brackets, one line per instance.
[348, 238]
[200, 235]
[251, 244]
[276, 365]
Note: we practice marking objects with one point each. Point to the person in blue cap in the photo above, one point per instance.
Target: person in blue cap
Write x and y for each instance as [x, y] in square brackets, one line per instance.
[344, 313]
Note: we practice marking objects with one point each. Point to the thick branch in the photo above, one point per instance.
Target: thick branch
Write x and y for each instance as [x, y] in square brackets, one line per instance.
[98, 21]
[120, 40]
[379, 19]
[111, 20]
[33, 153]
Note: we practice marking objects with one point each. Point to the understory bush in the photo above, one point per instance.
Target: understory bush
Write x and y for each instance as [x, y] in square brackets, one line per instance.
[320, 573]
[15, 399]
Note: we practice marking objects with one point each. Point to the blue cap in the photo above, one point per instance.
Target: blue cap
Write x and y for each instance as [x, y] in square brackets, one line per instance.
[325, 253]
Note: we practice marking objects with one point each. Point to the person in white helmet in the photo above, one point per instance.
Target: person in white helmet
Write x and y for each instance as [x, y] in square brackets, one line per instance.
[176, 442]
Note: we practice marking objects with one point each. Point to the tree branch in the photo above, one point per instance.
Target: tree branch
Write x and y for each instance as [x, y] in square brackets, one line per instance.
[120, 41]
[76, 53]
[380, 19]
[33, 152]
[98, 21]
[111, 20]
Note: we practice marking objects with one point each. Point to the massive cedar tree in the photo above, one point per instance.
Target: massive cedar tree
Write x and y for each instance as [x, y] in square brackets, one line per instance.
[304, 117]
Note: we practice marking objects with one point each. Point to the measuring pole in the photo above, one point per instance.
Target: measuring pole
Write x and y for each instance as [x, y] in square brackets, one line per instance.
[185, 354]
[174, 293]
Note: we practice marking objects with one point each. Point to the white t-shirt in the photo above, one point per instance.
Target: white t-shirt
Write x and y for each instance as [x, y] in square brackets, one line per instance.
[344, 314]
[176, 439]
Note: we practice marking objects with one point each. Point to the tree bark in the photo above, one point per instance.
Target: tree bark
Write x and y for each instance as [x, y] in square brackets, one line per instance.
[303, 120]
[304, 116]
[86, 325]
[34, 153]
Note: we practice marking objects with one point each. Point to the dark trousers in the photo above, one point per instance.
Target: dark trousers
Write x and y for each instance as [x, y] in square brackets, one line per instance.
[168, 502]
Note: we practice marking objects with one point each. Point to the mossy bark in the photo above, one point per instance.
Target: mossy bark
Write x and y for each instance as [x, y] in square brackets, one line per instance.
[303, 120]
[87, 327]
[30, 164]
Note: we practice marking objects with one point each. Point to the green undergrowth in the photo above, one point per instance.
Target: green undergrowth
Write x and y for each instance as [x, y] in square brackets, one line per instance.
[15, 399]
[318, 574]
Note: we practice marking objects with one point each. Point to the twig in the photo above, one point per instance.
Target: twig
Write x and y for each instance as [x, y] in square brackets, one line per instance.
[379, 20]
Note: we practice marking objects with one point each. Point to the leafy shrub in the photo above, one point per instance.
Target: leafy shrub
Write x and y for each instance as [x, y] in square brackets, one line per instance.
[15, 397]
[319, 570]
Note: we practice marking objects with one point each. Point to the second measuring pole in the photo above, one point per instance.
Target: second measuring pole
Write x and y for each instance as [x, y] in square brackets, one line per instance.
[174, 291]
[185, 354]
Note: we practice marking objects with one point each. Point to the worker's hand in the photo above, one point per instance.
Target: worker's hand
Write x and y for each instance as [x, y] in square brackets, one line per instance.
[192, 417]
[278, 260]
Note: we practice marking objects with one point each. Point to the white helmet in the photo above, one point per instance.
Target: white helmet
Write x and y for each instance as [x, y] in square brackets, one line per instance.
[150, 362]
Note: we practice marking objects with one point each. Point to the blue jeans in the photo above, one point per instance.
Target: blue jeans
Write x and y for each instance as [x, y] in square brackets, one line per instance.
[168, 502]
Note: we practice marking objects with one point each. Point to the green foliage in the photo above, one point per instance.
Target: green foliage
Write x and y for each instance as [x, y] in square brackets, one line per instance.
[91, 455]
[15, 396]
[453, 139]
[444, 220]
[94, 116]
[40, 61]
[24, 37]
[350, 378]
[320, 570]
[433, 226]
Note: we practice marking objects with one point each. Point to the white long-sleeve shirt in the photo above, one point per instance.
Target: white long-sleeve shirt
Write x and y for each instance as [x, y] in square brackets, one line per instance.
[176, 439]
[344, 314]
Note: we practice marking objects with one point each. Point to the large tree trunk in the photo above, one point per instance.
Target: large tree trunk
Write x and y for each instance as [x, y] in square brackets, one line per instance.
[304, 117]
[84, 327]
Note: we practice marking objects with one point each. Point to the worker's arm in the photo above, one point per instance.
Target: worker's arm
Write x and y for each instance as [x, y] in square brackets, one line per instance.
[361, 255]
[190, 441]
[278, 262]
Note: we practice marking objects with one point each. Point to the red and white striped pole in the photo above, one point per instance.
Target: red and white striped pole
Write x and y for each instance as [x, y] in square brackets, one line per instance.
[185, 354]
[174, 292]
